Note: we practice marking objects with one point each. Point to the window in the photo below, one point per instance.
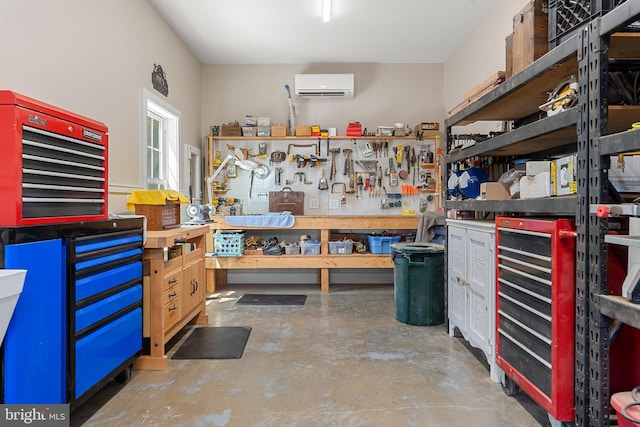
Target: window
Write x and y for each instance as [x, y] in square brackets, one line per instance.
[155, 151]
[161, 142]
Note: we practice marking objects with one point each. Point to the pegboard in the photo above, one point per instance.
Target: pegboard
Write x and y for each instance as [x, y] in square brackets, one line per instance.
[254, 193]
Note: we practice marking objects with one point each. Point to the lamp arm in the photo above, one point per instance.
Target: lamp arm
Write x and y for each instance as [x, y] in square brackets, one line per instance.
[217, 172]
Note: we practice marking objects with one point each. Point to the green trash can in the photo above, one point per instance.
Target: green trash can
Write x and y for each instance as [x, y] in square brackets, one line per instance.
[418, 277]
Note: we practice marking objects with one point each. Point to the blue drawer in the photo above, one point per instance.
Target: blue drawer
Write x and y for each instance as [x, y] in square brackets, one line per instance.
[119, 256]
[94, 284]
[104, 308]
[105, 242]
[101, 352]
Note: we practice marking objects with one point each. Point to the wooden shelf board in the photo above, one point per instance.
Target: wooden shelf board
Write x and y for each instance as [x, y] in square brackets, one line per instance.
[300, 261]
[425, 135]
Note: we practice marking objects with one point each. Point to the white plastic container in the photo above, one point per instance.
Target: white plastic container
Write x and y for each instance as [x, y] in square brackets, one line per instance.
[11, 283]
[308, 247]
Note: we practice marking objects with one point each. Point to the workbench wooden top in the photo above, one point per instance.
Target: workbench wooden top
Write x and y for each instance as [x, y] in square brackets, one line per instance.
[309, 222]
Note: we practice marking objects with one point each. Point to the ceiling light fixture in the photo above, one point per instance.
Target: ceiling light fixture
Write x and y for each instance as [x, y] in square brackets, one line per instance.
[326, 10]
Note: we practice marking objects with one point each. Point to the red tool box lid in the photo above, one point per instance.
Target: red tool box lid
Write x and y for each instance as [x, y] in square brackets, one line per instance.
[8, 97]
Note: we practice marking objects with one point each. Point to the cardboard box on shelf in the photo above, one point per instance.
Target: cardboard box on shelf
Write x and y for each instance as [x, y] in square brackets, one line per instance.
[277, 130]
[303, 130]
[494, 191]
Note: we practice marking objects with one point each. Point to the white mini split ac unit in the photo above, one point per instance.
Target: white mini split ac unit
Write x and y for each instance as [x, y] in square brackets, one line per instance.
[324, 85]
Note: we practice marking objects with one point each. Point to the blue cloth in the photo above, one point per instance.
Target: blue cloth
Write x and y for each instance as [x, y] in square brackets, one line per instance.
[271, 220]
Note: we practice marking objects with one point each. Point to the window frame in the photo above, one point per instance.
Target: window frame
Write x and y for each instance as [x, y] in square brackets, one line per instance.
[170, 117]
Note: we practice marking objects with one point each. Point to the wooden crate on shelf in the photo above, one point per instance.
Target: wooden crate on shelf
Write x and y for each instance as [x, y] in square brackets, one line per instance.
[160, 217]
[530, 35]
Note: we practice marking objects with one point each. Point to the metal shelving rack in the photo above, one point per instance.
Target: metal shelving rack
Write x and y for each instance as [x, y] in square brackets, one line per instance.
[517, 98]
[597, 131]
[514, 99]
[604, 140]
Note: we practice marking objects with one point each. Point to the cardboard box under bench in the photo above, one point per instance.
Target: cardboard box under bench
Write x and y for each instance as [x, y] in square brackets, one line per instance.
[161, 217]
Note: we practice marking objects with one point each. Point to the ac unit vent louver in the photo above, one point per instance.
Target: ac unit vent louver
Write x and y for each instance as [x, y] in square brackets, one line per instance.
[324, 85]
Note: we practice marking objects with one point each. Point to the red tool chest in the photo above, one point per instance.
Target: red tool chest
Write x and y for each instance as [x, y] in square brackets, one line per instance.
[535, 304]
[53, 167]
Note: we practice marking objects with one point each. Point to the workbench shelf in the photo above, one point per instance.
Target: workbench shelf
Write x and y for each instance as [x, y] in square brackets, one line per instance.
[324, 263]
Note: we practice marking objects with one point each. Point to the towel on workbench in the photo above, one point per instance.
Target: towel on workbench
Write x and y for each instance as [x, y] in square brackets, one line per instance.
[270, 220]
[154, 197]
[425, 231]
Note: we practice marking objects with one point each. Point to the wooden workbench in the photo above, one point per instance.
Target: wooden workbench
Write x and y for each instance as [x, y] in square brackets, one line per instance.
[216, 267]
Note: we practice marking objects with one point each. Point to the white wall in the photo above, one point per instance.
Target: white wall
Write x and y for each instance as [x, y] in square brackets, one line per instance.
[94, 58]
[482, 54]
[384, 94]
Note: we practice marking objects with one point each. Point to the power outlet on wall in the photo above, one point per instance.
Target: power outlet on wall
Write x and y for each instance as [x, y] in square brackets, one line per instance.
[314, 203]
[334, 203]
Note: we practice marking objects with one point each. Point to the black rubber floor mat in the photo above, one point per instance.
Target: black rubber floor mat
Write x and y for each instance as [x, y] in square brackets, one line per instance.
[270, 299]
[221, 342]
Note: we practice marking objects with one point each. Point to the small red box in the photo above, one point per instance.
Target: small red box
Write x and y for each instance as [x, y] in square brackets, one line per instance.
[354, 129]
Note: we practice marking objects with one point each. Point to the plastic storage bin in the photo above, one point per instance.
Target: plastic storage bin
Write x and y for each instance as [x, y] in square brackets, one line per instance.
[229, 243]
[309, 248]
[418, 278]
[381, 244]
[341, 247]
[292, 250]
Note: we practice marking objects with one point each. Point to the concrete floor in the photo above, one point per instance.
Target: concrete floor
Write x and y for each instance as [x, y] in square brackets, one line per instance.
[340, 360]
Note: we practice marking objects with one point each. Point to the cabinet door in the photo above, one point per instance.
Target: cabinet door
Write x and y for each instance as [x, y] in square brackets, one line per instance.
[457, 279]
[480, 274]
[193, 290]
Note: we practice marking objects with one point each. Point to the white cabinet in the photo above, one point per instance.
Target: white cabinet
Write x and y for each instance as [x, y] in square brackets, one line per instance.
[471, 285]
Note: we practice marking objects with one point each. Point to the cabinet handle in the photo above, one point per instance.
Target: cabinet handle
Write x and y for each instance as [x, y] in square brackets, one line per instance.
[173, 294]
[174, 280]
[173, 308]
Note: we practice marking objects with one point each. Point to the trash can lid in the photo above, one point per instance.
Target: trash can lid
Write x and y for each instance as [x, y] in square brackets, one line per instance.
[417, 248]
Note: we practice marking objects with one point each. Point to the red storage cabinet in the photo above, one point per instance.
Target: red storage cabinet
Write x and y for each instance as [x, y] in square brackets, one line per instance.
[535, 310]
[53, 167]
